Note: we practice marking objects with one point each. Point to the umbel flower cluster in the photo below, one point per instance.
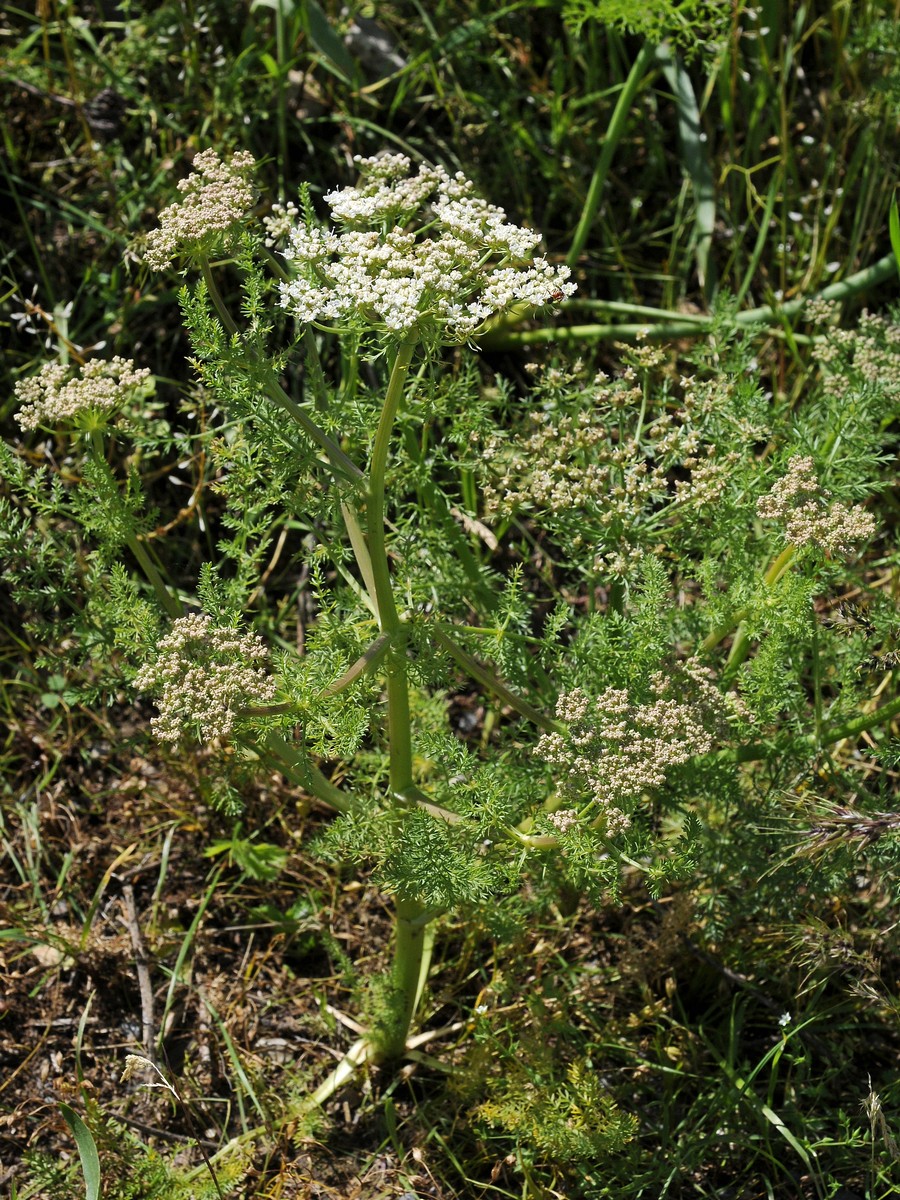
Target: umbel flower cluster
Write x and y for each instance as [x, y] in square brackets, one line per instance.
[58, 394]
[417, 256]
[615, 750]
[872, 345]
[802, 505]
[216, 195]
[600, 474]
[203, 676]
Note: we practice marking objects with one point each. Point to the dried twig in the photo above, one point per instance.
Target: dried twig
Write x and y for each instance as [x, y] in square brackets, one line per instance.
[143, 971]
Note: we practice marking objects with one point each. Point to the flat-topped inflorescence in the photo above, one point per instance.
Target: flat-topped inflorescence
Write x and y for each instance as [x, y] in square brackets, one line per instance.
[216, 196]
[94, 392]
[204, 674]
[809, 515]
[418, 257]
[616, 749]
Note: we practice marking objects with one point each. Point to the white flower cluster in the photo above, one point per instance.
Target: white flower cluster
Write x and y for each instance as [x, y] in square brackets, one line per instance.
[799, 501]
[418, 255]
[615, 750]
[574, 459]
[57, 394]
[203, 676]
[216, 196]
[872, 346]
[563, 819]
[280, 223]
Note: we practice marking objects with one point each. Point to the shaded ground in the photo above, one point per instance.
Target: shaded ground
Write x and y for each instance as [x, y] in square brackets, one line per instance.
[118, 927]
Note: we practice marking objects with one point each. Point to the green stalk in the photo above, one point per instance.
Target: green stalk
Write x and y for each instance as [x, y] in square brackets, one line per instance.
[140, 552]
[740, 648]
[614, 135]
[216, 296]
[693, 326]
[316, 378]
[300, 770]
[829, 736]
[165, 597]
[360, 550]
[314, 371]
[388, 619]
[685, 327]
[774, 572]
[861, 724]
[341, 463]
[411, 959]
[412, 946]
[494, 684]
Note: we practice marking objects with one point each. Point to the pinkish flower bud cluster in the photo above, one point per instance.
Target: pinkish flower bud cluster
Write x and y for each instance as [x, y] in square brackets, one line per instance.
[615, 750]
[203, 676]
[57, 393]
[809, 516]
[563, 819]
[418, 256]
[216, 195]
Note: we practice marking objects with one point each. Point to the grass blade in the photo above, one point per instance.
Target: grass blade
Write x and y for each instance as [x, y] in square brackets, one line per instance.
[610, 143]
[695, 161]
[894, 225]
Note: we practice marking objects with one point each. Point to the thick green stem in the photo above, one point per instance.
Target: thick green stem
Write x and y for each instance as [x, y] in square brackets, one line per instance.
[300, 770]
[388, 618]
[410, 940]
[413, 940]
[502, 337]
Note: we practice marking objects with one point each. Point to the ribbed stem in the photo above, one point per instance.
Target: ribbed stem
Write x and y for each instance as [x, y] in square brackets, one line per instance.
[388, 618]
[413, 941]
[410, 941]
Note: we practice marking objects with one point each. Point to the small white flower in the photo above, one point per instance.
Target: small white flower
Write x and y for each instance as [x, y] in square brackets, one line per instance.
[215, 196]
[418, 255]
[784, 1019]
[58, 393]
